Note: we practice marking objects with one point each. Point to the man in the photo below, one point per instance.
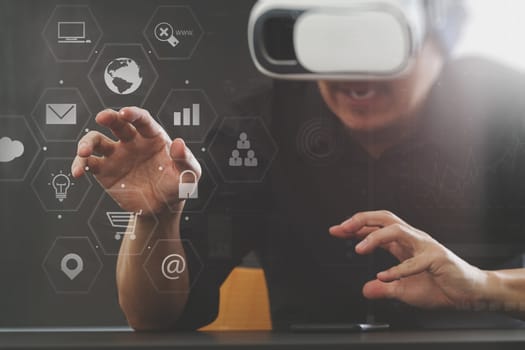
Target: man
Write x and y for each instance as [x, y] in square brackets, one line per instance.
[424, 147]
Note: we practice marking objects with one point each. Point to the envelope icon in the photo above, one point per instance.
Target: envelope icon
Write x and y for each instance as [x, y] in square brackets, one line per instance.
[61, 113]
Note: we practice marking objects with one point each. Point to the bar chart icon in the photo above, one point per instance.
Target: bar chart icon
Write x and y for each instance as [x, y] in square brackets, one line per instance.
[188, 116]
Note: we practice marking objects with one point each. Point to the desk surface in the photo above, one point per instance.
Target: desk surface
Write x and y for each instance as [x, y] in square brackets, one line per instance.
[421, 340]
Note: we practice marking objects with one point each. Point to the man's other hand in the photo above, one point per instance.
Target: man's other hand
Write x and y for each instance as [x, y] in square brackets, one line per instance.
[428, 276]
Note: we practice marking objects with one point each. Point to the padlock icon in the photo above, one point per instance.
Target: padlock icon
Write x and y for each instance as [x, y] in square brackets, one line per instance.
[188, 190]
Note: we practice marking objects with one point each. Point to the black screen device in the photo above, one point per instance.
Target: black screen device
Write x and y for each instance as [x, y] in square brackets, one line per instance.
[337, 327]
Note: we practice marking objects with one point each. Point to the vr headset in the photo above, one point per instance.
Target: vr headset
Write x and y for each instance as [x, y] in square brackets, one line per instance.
[339, 39]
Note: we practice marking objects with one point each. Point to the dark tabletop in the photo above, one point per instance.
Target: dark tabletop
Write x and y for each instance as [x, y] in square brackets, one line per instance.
[426, 340]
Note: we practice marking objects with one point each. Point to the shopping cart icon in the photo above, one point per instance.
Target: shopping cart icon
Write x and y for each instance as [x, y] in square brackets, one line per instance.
[124, 220]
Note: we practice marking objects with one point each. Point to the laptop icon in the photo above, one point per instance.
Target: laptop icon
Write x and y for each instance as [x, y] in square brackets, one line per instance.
[72, 33]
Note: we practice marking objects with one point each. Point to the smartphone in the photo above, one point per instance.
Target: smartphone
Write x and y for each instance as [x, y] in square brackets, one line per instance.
[338, 327]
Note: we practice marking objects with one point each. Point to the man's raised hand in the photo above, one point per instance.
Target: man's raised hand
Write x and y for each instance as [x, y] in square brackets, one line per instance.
[143, 159]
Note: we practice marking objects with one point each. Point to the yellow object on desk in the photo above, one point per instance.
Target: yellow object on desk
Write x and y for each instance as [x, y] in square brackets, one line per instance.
[244, 303]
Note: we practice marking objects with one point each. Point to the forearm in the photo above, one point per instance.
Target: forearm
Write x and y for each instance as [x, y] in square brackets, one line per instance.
[506, 291]
[144, 307]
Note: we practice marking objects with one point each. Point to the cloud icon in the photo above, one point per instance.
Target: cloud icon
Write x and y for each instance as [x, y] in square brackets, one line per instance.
[10, 149]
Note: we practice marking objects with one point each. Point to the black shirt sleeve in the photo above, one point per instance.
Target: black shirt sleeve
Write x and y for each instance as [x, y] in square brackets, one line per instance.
[216, 252]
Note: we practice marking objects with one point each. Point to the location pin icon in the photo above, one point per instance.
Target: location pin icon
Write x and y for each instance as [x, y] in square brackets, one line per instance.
[72, 273]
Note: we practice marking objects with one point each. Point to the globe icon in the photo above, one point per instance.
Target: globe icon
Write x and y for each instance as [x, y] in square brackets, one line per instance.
[123, 76]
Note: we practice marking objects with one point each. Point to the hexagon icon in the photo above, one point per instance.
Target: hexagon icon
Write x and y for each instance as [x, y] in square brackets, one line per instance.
[123, 75]
[166, 262]
[72, 33]
[197, 196]
[243, 149]
[188, 114]
[61, 114]
[18, 148]
[55, 187]
[173, 32]
[110, 223]
[72, 265]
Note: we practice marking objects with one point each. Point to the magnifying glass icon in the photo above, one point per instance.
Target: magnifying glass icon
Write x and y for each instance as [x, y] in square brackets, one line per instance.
[164, 32]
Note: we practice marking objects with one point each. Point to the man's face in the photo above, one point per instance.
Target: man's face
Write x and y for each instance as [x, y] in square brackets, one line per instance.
[372, 106]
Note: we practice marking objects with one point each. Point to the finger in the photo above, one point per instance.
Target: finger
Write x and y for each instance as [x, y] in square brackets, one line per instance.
[82, 165]
[381, 238]
[95, 142]
[398, 251]
[339, 232]
[409, 267]
[370, 218]
[142, 121]
[94, 165]
[365, 231]
[78, 167]
[183, 157]
[380, 290]
[120, 127]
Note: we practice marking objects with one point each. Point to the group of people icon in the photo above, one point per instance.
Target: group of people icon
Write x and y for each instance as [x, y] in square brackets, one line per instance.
[243, 144]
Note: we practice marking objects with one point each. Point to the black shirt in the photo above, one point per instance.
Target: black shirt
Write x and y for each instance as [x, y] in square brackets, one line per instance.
[458, 178]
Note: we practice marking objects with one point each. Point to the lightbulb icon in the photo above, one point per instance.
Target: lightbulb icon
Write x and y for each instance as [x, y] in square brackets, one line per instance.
[61, 184]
